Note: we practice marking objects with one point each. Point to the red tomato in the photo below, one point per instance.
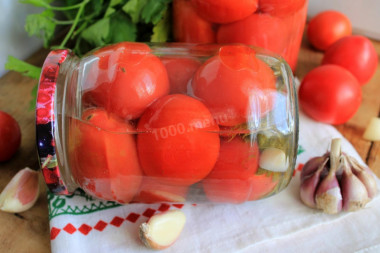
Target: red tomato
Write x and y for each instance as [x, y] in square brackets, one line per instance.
[180, 71]
[280, 8]
[10, 136]
[123, 51]
[260, 30]
[235, 85]
[178, 140]
[330, 94]
[326, 28]
[188, 26]
[356, 54]
[233, 178]
[129, 80]
[262, 185]
[154, 191]
[224, 11]
[103, 156]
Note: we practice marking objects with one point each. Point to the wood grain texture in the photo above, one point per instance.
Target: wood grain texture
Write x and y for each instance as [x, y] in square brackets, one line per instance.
[29, 231]
[353, 130]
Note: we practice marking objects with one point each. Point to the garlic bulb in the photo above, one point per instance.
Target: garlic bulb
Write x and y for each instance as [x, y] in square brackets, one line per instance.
[336, 181]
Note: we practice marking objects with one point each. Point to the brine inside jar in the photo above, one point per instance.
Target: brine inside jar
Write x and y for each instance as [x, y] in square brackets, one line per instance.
[173, 128]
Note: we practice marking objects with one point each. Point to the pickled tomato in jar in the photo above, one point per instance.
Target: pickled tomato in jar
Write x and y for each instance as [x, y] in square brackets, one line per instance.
[149, 123]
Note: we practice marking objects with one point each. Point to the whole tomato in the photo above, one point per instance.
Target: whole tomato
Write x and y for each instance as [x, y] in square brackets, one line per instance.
[129, 78]
[10, 136]
[235, 85]
[224, 11]
[103, 156]
[280, 8]
[327, 27]
[356, 54]
[260, 30]
[233, 178]
[330, 94]
[178, 140]
[180, 71]
[189, 26]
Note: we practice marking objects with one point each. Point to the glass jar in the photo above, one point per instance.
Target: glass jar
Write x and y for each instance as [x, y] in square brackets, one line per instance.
[133, 122]
[272, 24]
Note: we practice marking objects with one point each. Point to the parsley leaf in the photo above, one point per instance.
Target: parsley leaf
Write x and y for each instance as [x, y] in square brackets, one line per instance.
[97, 33]
[41, 25]
[33, 101]
[37, 3]
[121, 28]
[133, 8]
[161, 30]
[24, 68]
[154, 11]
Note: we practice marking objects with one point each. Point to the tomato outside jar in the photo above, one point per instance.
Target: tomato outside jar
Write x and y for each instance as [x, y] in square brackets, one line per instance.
[276, 25]
[147, 123]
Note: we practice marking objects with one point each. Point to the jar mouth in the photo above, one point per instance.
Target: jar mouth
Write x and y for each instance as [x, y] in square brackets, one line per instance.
[46, 123]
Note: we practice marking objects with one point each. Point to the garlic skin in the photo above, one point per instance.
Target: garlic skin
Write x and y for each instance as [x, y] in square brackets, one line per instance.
[21, 193]
[354, 192]
[328, 196]
[310, 183]
[312, 166]
[365, 176]
[347, 186]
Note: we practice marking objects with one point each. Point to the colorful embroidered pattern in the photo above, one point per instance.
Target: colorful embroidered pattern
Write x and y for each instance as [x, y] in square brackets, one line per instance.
[80, 203]
[116, 221]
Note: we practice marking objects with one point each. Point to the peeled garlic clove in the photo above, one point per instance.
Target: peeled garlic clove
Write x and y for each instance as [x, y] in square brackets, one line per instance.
[328, 196]
[273, 159]
[21, 192]
[162, 229]
[372, 132]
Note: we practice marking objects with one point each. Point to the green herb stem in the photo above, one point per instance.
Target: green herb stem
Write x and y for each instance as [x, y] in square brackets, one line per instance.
[62, 22]
[80, 29]
[75, 23]
[66, 8]
[70, 22]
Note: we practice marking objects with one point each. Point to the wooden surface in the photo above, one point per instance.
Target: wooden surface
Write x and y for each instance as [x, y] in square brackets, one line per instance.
[370, 107]
[29, 231]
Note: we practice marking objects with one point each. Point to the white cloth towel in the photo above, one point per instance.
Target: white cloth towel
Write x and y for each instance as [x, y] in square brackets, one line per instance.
[281, 223]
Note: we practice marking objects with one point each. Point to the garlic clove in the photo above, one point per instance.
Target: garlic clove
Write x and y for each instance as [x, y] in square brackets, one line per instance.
[354, 192]
[309, 186]
[162, 229]
[274, 159]
[328, 196]
[365, 177]
[21, 192]
[312, 166]
[372, 132]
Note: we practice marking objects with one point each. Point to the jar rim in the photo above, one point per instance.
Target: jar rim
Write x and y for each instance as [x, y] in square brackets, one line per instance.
[45, 121]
